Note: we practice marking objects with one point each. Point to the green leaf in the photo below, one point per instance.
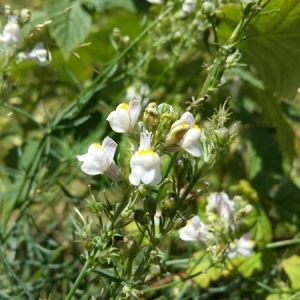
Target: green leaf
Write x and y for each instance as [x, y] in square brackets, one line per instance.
[286, 198]
[273, 48]
[260, 226]
[104, 5]
[210, 273]
[70, 24]
[255, 263]
[291, 267]
[292, 110]
[284, 132]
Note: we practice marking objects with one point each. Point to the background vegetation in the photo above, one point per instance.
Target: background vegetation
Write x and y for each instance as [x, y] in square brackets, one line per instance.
[101, 52]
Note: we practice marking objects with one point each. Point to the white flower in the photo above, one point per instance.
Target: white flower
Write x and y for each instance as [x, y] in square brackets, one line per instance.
[190, 141]
[188, 6]
[38, 54]
[125, 117]
[195, 230]
[99, 159]
[145, 164]
[225, 205]
[220, 203]
[155, 1]
[243, 246]
[11, 32]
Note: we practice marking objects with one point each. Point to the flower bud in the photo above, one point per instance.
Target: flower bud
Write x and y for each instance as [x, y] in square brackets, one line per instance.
[170, 202]
[116, 33]
[25, 15]
[139, 217]
[177, 131]
[222, 136]
[122, 247]
[155, 270]
[150, 117]
[180, 166]
[180, 222]
[149, 206]
[208, 9]
[132, 248]
[7, 10]
[126, 40]
[248, 6]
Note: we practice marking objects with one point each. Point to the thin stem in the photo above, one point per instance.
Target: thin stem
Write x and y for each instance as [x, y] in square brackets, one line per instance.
[82, 274]
[197, 176]
[283, 243]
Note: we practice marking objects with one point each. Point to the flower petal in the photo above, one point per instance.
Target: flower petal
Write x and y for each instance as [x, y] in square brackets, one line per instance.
[109, 148]
[188, 117]
[119, 120]
[134, 110]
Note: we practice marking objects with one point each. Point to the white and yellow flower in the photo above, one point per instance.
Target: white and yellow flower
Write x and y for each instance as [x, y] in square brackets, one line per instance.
[125, 117]
[243, 246]
[99, 159]
[38, 54]
[11, 32]
[195, 230]
[220, 202]
[145, 164]
[190, 141]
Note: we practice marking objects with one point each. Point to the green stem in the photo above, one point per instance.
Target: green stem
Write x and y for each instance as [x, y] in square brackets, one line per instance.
[283, 243]
[206, 166]
[75, 286]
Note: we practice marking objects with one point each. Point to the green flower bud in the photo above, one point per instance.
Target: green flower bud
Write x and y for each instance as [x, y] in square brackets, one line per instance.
[116, 33]
[126, 40]
[180, 222]
[155, 270]
[222, 136]
[208, 9]
[177, 131]
[25, 15]
[150, 117]
[149, 205]
[7, 10]
[140, 217]
[170, 202]
[248, 6]
[122, 247]
[180, 166]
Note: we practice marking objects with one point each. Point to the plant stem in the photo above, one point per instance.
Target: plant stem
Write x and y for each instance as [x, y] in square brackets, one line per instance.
[283, 243]
[83, 272]
[197, 176]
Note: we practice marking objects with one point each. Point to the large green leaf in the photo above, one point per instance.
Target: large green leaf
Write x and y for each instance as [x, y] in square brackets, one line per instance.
[273, 48]
[70, 24]
[284, 132]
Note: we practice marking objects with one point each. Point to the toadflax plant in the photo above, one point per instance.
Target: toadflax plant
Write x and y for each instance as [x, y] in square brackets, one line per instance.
[170, 156]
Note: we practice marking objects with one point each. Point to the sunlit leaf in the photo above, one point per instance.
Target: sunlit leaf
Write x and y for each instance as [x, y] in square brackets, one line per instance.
[256, 263]
[70, 24]
[209, 273]
[291, 267]
[273, 48]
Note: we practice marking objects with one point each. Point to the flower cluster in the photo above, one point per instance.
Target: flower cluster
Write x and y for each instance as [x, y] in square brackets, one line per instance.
[11, 38]
[220, 232]
[160, 132]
